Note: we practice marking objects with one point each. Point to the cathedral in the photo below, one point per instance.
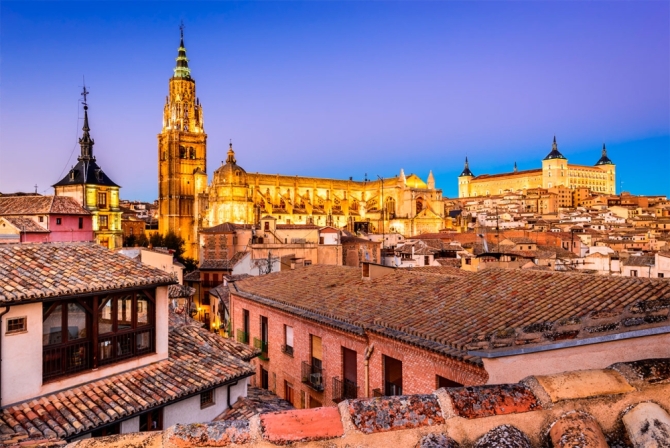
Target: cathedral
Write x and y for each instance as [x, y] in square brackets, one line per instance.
[403, 204]
[555, 172]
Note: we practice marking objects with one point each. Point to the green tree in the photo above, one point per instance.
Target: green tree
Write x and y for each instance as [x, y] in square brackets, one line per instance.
[156, 240]
[142, 240]
[176, 243]
[129, 241]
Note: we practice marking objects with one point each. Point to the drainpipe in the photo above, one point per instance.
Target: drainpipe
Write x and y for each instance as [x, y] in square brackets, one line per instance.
[368, 352]
[228, 395]
[1, 315]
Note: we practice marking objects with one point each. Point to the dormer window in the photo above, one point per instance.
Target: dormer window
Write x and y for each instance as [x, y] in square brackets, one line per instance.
[72, 174]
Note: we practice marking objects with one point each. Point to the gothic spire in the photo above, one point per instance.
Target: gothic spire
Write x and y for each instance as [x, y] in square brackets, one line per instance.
[86, 142]
[515, 168]
[604, 160]
[555, 153]
[182, 70]
[466, 169]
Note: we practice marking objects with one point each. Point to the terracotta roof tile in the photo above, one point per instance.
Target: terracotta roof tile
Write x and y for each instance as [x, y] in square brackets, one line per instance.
[26, 225]
[38, 271]
[35, 205]
[446, 311]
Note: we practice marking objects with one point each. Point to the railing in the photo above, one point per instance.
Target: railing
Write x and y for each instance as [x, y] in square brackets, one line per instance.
[392, 389]
[263, 347]
[344, 390]
[102, 205]
[242, 337]
[126, 345]
[65, 359]
[377, 393]
[287, 350]
[312, 376]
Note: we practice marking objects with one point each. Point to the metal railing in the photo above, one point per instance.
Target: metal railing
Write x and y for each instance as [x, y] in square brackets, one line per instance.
[242, 337]
[116, 347]
[287, 350]
[344, 390]
[377, 393]
[66, 359]
[263, 347]
[313, 376]
[392, 389]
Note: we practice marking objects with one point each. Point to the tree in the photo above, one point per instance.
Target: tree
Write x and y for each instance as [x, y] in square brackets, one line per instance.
[129, 241]
[156, 240]
[142, 240]
[176, 243]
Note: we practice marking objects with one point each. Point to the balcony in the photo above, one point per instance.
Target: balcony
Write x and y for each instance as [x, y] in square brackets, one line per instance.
[66, 359]
[344, 390]
[312, 376]
[287, 350]
[242, 337]
[126, 345]
[377, 393]
[263, 347]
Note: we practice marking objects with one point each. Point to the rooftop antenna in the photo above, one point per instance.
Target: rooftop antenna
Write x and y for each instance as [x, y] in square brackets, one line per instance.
[35, 188]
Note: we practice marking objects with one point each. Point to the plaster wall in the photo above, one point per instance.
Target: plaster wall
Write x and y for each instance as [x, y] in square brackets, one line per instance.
[131, 425]
[511, 369]
[189, 411]
[69, 230]
[164, 262]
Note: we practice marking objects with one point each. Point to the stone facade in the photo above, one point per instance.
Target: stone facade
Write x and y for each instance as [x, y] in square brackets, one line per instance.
[555, 172]
[182, 157]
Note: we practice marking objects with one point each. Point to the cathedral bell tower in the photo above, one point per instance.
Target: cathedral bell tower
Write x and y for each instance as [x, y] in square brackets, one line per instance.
[182, 157]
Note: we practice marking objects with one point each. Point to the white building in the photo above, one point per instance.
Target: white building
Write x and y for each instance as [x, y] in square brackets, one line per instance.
[89, 347]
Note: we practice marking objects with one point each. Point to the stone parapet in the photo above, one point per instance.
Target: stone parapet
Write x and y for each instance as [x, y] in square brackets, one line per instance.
[629, 405]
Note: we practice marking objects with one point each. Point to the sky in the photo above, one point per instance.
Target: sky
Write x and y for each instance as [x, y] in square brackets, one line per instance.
[340, 89]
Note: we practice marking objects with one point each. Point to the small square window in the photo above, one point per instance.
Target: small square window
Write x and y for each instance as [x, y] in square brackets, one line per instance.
[58, 221]
[16, 325]
[41, 218]
[207, 399]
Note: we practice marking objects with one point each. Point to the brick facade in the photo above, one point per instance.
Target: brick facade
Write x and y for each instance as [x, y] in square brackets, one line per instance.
[420, 367]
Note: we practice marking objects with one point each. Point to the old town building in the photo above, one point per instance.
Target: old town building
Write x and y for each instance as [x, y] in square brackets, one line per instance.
[327, 333]
[89, 339]
[43, 219]
[555, 172]
[94, 190]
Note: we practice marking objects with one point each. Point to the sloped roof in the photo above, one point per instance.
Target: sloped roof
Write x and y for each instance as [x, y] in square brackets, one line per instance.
[198, 360]
[86, 171]
[445, 311]
[34, 205]
[39, 271]
[25, 225]
[180, 292]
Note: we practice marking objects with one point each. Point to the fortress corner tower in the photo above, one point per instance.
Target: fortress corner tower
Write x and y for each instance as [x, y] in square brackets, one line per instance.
[182, 155]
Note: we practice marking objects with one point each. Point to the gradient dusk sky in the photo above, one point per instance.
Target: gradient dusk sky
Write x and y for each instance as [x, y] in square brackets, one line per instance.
[340, 89]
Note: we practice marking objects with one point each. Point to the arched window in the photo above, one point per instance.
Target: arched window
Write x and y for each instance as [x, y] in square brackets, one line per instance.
[182, 152]
[354, 205]
[390, 208]
[191, 152]
[419, 205]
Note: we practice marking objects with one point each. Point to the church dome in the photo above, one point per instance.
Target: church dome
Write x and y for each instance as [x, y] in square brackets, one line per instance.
[230, 173]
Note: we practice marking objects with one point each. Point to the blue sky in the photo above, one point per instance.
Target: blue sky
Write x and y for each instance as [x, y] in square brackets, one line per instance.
[339, 89]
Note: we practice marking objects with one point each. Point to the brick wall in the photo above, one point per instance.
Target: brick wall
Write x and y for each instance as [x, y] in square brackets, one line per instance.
[216, 246]
[420, 367]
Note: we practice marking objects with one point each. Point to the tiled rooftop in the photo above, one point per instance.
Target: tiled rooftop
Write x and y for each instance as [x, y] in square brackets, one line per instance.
[39, 271]
[227, 227]
[198, 360]
[26, 225]
[221, 263]
[40, 205]
[257, 401]
[180, 292]
[447, 311]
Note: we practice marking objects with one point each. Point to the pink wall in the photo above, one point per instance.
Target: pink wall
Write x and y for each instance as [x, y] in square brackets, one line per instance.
[69, 230]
